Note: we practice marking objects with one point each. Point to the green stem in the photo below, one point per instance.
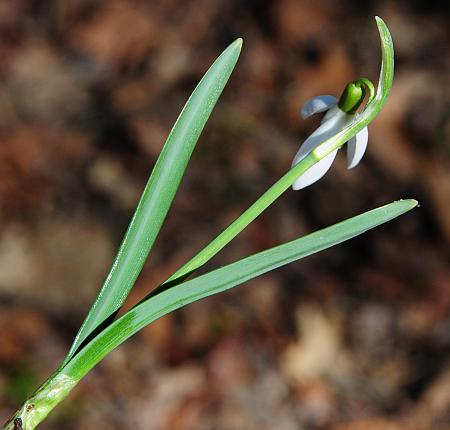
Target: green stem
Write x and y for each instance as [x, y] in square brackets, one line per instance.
[39, 405]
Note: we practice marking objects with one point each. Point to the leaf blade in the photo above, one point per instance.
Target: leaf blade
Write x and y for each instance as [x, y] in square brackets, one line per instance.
[158, 194]
[225, 278]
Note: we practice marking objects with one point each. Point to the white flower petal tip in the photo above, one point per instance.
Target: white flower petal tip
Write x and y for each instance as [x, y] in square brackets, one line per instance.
[317, 104]
[356, 147]
[315, 172]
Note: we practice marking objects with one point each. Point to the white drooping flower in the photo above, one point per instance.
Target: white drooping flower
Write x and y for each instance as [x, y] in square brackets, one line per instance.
[339, 115]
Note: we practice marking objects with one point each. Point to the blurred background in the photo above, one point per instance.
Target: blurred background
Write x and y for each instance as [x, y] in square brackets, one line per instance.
[357, 337]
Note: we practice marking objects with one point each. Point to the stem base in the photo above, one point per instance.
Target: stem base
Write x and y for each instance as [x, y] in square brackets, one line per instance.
[38, 406]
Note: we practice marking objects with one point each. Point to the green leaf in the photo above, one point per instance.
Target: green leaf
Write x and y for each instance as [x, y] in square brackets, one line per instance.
[223, 279]
[158, 194]
[285, 182]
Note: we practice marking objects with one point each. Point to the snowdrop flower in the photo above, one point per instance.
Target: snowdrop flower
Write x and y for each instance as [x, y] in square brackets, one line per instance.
[340, 113]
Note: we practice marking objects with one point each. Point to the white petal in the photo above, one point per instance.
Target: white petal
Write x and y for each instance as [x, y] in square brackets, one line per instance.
[333, 112]
[356, 147]
[317, 104]
[327, 129]
[315, 172]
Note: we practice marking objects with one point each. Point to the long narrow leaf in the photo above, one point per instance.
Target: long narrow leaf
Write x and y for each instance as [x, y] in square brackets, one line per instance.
[158, 194]
[223, 279]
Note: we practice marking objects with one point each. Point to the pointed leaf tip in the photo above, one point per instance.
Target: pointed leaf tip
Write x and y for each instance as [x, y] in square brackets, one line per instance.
[406, 204]
[237, 44]
[413, 203]
[381, 24]
[233, 51]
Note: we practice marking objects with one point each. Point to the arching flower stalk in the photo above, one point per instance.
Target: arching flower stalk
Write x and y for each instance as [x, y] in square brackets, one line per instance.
[340, 113]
